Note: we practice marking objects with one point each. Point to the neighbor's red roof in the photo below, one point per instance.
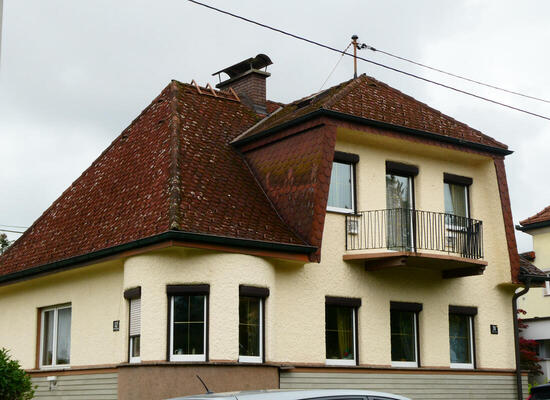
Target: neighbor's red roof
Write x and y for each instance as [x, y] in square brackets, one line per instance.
[172, 168]
[369, 98]
[541, 216]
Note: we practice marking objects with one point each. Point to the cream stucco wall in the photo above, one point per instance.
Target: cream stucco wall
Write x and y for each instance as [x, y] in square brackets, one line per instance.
[295, 309]
[537, 302]
[95, 295]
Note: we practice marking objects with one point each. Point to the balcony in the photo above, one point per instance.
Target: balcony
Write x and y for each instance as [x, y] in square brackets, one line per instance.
[413, 238]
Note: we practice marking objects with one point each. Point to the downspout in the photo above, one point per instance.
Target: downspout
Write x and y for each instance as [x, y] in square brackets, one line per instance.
[517, 295]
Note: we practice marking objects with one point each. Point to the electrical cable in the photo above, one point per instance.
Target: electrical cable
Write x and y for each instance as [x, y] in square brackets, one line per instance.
[370, 61]
[14, 226]
[335, 66]
[455, 75]
[7, 230]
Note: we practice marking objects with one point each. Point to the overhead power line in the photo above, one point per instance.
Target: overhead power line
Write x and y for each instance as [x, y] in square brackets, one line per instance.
[454, 75]
[325, 46]
[14, 226]
[10, 231]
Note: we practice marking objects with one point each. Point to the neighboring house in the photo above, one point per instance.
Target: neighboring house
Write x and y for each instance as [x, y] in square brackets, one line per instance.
[353, 238]
[537, 301]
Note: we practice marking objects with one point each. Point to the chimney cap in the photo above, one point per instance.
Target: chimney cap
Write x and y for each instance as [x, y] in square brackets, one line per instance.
[258, 62]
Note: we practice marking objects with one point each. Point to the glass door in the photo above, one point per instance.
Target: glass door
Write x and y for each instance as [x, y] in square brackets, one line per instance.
[399, 217]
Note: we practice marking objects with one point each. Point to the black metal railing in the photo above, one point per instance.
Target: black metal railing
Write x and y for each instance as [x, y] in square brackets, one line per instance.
[413, 230]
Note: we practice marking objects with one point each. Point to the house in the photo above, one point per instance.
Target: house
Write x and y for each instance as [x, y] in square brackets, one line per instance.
[352, 238]
[536, 303]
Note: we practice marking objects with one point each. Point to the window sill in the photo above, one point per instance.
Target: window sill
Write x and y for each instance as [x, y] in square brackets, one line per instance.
[404, 364]
[250, 360]
[336, 362]
[54, 367]
[337, 210]
[462, 366]
[188, 358]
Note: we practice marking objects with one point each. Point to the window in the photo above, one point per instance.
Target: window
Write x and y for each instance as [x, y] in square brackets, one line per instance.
[251, 323]
[341, 330]
[456, 199]
[341, 197]
[404, 334]
[188, 322]
[400, 205]
[55, 347]
[134, 328]
[461, 336]
[547, 286]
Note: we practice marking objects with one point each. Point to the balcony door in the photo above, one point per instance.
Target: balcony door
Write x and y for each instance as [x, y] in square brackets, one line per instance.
[399, 205]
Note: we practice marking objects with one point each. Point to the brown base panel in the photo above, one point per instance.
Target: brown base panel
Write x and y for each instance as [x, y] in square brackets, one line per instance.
[150, 382]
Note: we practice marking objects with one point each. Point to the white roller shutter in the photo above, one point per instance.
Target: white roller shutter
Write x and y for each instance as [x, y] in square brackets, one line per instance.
[135, 317]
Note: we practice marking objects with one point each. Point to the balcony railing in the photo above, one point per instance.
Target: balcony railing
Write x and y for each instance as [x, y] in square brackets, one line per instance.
[413, 230]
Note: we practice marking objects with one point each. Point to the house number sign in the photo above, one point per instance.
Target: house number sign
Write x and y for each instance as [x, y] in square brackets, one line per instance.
[116, 326]
[494, 329]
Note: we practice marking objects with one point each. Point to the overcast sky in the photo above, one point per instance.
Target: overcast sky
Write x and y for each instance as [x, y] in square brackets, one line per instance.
[74, 74]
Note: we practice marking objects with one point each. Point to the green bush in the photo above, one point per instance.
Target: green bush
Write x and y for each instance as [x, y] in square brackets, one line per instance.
[15, 384]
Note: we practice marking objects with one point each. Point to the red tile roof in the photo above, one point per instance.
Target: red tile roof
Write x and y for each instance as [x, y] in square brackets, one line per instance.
[369, 98]
[541, 216]
[172, 168]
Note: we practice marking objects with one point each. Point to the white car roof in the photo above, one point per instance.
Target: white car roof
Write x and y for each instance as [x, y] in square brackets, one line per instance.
[278, 394]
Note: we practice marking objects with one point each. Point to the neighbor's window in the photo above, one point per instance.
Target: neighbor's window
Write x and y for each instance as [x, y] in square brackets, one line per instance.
[547, 286]
[250, 329]
[340, 330]
[55, 347]
[135, 329]
[188, 327]
[461, 336]
[404, 334]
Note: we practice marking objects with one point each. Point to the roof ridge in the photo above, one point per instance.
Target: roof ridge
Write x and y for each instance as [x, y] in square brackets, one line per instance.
[344, 90]
[435, 110]
[174, 180]
[98, 158]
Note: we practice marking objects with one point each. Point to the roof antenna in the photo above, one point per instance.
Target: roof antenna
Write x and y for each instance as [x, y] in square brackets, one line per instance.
[204, 384]
[354, 40]
[356, 46]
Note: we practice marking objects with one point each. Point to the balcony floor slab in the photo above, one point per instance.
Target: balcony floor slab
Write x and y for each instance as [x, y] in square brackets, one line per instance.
[449, 266]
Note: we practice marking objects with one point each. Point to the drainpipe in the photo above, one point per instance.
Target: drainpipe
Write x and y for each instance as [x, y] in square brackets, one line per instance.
[516, 335]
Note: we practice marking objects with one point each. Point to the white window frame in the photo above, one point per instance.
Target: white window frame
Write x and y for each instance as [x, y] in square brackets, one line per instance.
[352, 182]
[468, 365]
[131, 341]
[546, 291]
[54, 341]
[410, 364]
[257, 359]
[187, 357]
[342, 361]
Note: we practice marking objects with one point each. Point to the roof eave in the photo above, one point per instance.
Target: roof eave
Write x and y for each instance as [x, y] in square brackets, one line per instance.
[375, 123]
[536, 225]
[151, 240]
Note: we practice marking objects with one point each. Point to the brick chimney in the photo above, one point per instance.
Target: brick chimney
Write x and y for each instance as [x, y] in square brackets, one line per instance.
[248, 80]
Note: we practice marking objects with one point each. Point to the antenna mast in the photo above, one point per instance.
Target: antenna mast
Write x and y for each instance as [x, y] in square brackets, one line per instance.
[354, 41]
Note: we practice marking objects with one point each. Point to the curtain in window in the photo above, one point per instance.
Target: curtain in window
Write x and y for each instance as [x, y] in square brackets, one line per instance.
[63, 336]
[403, 339]
[399, 214]
[47, 345]
[339, 333]
[459, 336]
[340, 193]
[455, 199]
[249, 326]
